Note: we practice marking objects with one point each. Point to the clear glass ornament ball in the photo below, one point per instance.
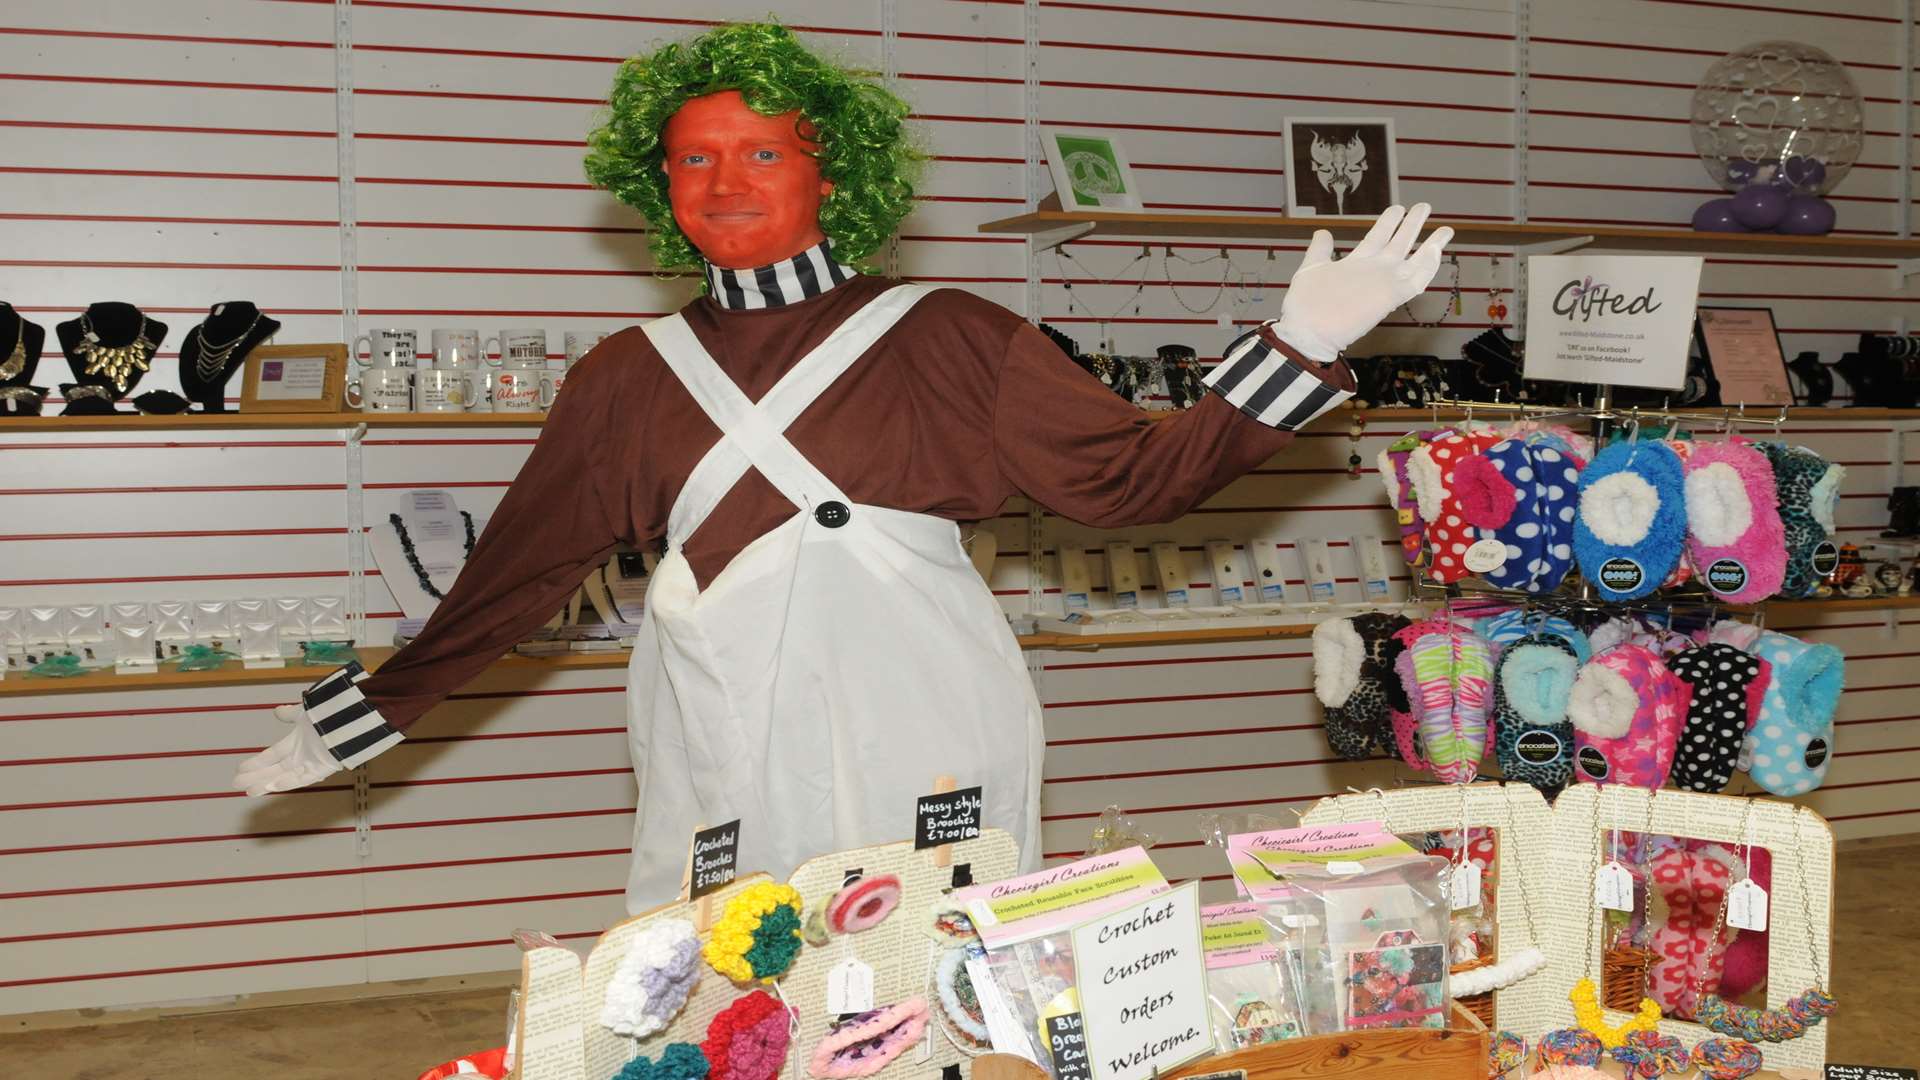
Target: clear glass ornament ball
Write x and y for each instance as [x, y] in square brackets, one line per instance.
[1778, 112]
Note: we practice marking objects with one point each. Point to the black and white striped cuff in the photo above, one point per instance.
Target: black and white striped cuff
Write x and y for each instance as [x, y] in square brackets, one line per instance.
[1271, 387]
[803, 277]
[352, 729]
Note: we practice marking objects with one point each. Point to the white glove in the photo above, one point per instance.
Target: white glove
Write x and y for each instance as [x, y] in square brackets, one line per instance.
[293, 762]
[1331, 304]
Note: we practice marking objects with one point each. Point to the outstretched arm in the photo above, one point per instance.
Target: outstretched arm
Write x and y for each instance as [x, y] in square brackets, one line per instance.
[1074, 446]
[551, 527]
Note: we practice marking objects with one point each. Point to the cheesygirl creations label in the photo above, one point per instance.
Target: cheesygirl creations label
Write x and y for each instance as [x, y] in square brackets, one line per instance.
[1260, 860]
[1234, 935]
[1143, 986]
[1020, 909]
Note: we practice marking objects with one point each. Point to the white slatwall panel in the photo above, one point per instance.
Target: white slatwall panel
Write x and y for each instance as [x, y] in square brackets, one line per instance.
[191, 159]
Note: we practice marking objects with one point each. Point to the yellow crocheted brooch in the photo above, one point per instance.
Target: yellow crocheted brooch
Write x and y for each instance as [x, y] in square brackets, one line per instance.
[758, 934]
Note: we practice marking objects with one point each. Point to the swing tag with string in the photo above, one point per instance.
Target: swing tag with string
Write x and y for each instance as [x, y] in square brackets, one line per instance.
[1746, 900]
[1463, 882]
[850, 986]
[1612, 884]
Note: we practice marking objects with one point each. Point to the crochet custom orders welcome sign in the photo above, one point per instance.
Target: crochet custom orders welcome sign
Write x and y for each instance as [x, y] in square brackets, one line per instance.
[1553, 852]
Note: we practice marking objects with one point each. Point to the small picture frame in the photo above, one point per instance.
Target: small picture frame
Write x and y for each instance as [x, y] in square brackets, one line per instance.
[1090, 170]
[1741, 347]
[295, 379]
[1341, 166]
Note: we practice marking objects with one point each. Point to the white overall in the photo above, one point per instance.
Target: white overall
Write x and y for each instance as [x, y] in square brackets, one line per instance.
[833, 669]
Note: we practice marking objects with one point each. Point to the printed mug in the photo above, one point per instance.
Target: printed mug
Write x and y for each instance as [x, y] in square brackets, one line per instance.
[382, 389]
[523, 388]
[437, 390]
[387, 348]
[518, 346]
[457, 350]
[581, 342]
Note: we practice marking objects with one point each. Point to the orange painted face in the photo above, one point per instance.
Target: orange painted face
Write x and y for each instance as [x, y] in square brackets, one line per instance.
[745, 188]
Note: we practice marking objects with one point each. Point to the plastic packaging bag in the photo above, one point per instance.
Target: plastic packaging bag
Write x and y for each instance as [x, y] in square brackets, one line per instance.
[1252, 997]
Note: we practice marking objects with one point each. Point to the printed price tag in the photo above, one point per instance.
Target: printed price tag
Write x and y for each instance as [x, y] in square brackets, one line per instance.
[716, 858]
[849, 987]
[1463, 886]
[1343, 868]
[1613, 888]
[1067, 1042]
[947, 818]
[1485, 556]
[1747, 906]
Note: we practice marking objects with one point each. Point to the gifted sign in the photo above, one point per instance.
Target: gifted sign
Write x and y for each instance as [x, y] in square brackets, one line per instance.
[1619, 320]
[1143, 986]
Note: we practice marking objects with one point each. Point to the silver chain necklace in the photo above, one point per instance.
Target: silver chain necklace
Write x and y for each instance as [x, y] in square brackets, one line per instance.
[213, 358]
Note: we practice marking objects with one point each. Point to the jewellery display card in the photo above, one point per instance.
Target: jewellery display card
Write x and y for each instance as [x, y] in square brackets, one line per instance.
[1170, 570]
[1551, 852]
[1619, 320]
[1269, 571]
[1076, 580]
[295, 378]
[1742, 348]
[1123, 574]
[1229, 585]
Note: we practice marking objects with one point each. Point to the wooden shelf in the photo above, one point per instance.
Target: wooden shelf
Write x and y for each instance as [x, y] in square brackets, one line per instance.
[372, 656]
[291, 421]
[1053, 224]
[1798, 414]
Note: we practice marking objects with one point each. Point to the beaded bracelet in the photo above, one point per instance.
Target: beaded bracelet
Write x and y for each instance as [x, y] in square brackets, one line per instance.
[1648, 1054]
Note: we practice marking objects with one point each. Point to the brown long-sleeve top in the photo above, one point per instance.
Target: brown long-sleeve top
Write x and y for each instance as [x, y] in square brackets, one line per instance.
[959, 407]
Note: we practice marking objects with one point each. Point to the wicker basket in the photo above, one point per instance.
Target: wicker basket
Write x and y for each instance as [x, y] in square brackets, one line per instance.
[1480, 1005]
[1623, 976]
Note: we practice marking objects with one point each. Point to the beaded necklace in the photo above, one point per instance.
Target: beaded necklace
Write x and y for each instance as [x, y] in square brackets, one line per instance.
[413, 560]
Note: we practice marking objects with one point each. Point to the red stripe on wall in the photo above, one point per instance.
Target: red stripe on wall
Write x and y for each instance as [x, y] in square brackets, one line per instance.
[295, 875]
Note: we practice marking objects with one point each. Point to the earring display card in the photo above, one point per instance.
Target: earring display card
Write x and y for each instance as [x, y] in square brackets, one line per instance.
[1123, 574]
[1321, 584]
[1229, 583]
[1076, 578]
[1372, 557]
[1269, 570]
[1170, 570]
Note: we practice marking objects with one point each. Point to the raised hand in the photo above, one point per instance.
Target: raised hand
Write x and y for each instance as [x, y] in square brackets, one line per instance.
[293, 762]
[1331, 303]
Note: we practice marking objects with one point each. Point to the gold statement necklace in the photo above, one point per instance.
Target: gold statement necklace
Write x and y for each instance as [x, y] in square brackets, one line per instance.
[116, 362]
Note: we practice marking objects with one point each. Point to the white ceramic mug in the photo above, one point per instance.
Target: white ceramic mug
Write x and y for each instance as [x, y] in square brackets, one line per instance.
[387, 348]
[523, 388]
[523, 346]
[457, 350]
[382, 389]
[438, 390]
[581, 342]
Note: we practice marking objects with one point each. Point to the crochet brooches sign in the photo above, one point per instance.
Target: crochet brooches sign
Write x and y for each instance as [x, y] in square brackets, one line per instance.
[1622, 320]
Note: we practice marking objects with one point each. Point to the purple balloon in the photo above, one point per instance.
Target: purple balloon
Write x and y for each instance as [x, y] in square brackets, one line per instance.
[1760, 206]
[1807, 215]
[1740, 172]
[1717, 216]
[1804, 173]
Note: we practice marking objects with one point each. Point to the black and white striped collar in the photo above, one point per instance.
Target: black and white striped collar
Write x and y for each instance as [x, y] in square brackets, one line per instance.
[802, 277]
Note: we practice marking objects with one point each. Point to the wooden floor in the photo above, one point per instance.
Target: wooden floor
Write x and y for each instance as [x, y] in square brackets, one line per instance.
[1876, 950]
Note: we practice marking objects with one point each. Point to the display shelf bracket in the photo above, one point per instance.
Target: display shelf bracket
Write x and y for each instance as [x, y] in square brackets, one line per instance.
[1553, 247]
[1049, 239]
[1904, 269]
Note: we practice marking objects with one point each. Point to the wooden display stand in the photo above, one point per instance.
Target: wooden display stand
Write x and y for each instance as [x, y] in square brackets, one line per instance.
[1455, 1052]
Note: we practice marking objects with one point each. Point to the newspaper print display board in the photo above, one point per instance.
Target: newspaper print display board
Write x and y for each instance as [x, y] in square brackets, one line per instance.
[900, 951]
[1552, 849]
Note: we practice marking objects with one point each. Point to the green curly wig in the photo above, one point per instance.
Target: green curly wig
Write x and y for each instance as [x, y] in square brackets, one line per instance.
[864, 149]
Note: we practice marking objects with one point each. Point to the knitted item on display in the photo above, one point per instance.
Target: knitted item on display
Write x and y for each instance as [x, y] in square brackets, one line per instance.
[1352, 669]
[1808, 487]
[1648, 1054]
[1432, 470]
[1790, 745]
[1735, 537]
[1587, 1012]
[1626, 709]
[863, 904]
[1533, 739]
[1505, 1053]
[1521, 497]
[1452, 670]
[1632, 526]
[959, 1002]
[862, 1045]
[1569, 1046]
[679, 1061]
[757, 934]
[1510, 626]
[651, 985]
[748, 1039]
[1406, 729]
[1727, 688]
[1726, 1059]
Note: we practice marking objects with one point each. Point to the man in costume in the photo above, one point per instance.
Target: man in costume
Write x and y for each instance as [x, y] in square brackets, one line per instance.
[816, 644]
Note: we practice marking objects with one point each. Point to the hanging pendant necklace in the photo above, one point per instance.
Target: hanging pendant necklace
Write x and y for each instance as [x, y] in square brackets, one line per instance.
[413, 560]
[16, 361]
[116, 362]
[213, 358]
[1791, 1020]
[1585, 995]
